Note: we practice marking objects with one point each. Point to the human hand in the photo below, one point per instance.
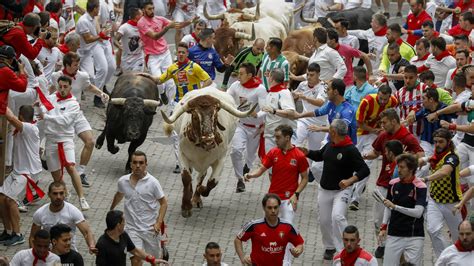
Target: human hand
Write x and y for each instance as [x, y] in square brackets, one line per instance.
[93, 250]
[388, 204]
[345, 183]
[432, 117]
[267, 109]
[457, 208]
[248, 176]
[157, 227]
[382, 236]
[293, 201]
[228, 59]
[296, 251]
[444, 124]
[304, 150]
[104, 97]
[315, 128]
[247, 260]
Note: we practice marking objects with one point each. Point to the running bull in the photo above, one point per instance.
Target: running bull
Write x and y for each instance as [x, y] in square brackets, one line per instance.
[129, 113]
[205, 121]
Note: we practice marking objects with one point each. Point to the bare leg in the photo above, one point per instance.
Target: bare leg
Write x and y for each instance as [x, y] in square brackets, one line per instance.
[13, 214]
[4, 213]
[400, 5]
[88, 141]
[76, 180]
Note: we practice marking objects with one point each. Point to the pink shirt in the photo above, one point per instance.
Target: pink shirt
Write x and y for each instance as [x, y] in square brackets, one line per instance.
[348, 53]
[155, 24]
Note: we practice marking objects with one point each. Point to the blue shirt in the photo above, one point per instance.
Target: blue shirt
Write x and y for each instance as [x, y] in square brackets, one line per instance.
[430, 127]
[207, 58]
[344, 111]
[355, 95]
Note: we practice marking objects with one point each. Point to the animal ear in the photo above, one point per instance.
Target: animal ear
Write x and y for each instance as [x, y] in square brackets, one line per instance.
[220, 126]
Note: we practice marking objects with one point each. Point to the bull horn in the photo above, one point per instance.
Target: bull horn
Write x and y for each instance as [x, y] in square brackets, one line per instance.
[298, 8]
[212, 17]
[245, 36]
[151, 103]
[307, 20]
[253, 17]
[303, 58]
[233, 111]
[175, 115]
[118, 101]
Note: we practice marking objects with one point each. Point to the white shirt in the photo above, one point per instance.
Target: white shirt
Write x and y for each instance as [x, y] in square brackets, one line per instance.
[26, 159]
[350, 4]
[376, 44]
[331, 63]
[189, 40]
[316, 92]
[350, 40]
[132, 46]
[141, 202]
[26, 258]
[452, 256]
[248, 97]
[417, 62]
[440, 68]
[320, 7]
[106, 13]
[449, 81]
[61, 27]
[80, 82]
[69, 215]
[86, 24]
[59, 121]
[49, 58]
[282, 100]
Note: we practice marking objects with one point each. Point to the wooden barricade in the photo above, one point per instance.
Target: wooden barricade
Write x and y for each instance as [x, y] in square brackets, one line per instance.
[3, 142]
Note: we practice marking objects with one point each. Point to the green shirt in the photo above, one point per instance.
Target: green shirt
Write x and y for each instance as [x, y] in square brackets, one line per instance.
[268, 65]
[244, 56]
[406, 51]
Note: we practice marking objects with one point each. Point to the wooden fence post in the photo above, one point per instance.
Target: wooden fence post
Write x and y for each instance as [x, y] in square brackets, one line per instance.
[3, 142]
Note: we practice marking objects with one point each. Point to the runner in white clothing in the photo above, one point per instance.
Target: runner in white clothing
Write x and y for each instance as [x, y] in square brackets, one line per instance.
[461, 252]
[192, 38]
[50, 55]
[80, 83]
[247, 91]
[183, 11]
[128, 38]
[39, 250]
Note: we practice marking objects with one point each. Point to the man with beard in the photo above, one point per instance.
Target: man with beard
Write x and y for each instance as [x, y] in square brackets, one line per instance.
[61, 241]
[445, 190]
[461, 252]
[353, 254]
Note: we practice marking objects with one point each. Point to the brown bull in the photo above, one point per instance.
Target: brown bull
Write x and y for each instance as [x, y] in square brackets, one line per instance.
[298, 65]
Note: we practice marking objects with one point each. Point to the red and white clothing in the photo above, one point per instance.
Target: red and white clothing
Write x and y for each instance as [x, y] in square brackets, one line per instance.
[50, 58]
[190, 39]
[269, 242]
[133, 58]
[419, 61]
[214, 7]
[377, 41]
[348, 54]
[455, 254]
[185, 10]
[414, 23]
[411, 100]
[439, 65]
[359, 257]
[27, 257]
[246, 138]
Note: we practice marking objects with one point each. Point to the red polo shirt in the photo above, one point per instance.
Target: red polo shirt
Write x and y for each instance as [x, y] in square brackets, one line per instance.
[457, 30]
[286, 168]
[10, 81]
[414, 23]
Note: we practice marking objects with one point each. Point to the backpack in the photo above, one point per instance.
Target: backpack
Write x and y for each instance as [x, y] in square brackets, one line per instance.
[5, 26]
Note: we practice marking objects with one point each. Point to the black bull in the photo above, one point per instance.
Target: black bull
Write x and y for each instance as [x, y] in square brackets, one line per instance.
[129, 113]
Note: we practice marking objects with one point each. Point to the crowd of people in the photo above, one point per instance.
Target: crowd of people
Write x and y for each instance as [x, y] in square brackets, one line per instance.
[407, 100]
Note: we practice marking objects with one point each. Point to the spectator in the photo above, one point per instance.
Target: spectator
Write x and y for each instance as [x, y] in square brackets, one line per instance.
[264, 233]
[353, 254]
[213, 255]
[460, 253]
[61, 245]
[39, 254]
[60, 211]
[144, 219]
[393, 37]
[272, 59]
[10, 79]
[112, 244]
[403, 216]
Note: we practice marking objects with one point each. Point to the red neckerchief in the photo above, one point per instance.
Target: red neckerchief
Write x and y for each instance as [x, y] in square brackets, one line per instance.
[252, 83]
[69, 74]
[458, 245]
[434, 160]
[40, 6]
[60, 98]
[381, 32]
[195, 37]
[433, 86]
[44, 100]
[399, 41]
[346, 142]
[337, 47]
[454, 73]
[442, 55]
[278, 87]
[63, 48]
[350, 258]
[133, 23]
[55, 17]
[38, 258]
[423, 58]
[436, 34]
[180, 64]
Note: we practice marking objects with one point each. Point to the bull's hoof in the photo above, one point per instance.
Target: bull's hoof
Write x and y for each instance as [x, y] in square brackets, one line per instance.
[98, 146]
[197, 203]
[203, 191]
[186, 213]
[114, 150]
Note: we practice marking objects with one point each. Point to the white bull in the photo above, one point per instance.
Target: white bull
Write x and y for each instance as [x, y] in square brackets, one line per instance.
[205, 121]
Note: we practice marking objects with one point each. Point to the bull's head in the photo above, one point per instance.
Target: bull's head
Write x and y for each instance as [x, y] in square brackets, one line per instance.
[298, 65]
[234, 15]
[203, 129]
[134, 111]
[228, 40]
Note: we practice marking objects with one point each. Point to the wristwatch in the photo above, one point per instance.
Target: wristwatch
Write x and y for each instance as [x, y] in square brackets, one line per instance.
[297, 194]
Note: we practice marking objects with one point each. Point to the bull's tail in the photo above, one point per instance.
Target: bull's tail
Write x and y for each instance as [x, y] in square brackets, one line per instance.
[168, 129]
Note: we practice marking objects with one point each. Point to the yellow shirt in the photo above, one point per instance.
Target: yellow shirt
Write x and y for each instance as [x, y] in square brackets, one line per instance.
[186, 78]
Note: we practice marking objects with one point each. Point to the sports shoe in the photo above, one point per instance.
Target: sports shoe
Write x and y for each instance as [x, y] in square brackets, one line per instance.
[240, 186]
[311, 177]
[379, 252]
[4, 237]
[354, 206]
[15, 240]
[399, 14]
[177, 169]
[22, 208]
[329, 254]
[164, 98]
[84, 205]
[387, 15]
[84, 181]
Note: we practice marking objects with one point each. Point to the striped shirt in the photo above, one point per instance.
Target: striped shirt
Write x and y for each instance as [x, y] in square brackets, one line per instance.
[411, 100]
[268, 64]
[370, 109]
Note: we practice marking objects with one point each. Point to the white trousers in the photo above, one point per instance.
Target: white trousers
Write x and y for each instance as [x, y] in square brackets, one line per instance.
[314, 138]
[410, 247]
[245, 140]
[332, 206]
[99, 63]
[429, 150]
[466, 157]
[157, 65]
[287, 213]
[436, 215]
[378, 210]
[174, 135]
[364, 145]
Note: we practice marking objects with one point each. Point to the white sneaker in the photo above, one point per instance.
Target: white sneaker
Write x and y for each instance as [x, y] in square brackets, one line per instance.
[84, 205]
[22, 208]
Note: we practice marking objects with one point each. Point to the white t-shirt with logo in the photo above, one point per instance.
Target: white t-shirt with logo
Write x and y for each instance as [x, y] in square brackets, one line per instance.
[25, 258]
[49, 58]
[248, 97]
[132, 46]
[317, 92]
